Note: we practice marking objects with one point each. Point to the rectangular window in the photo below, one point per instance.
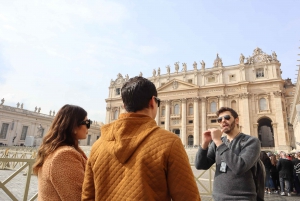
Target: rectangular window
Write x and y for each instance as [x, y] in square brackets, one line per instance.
[118, 91]
[89, 140]
[190, 121]
[162, 123]
[190, 81]
[213, 121]
[211, 79]
[24, 132]
[4, 131]
[260, 73]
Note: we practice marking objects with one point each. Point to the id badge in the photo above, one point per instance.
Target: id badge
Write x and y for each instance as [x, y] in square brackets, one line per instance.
[223, 167]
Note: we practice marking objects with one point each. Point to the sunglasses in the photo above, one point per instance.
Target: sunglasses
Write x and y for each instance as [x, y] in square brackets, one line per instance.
[226, 117]
[157, 100]
[87, 123]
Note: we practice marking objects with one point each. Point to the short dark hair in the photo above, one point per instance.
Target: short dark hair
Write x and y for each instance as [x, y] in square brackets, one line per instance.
[136, 93]
[225, 109]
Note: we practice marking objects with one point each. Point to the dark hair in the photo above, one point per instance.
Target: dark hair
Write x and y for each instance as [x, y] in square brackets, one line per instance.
[61, 133]
[136, 93]
[224, 109]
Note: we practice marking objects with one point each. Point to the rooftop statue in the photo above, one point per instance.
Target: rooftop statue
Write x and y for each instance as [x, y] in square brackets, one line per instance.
[202, 65]
[184, 67]
[154, 72]
[176, 66]
[2, 101]
[195, 65]
[141, 74]
[168, 69]
[242, 58]
[158, 71]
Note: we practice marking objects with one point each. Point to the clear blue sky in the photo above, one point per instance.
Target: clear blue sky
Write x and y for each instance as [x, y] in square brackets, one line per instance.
[58, 52]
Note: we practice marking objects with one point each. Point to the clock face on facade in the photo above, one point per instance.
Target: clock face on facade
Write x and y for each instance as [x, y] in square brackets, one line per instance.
[258, 59]
[118, 81]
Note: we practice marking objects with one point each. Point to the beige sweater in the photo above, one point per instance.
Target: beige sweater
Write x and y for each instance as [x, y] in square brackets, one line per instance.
[61, 176]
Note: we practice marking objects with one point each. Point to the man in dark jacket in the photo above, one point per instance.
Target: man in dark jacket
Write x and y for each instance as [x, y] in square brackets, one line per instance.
[285, 169]
[234, 158]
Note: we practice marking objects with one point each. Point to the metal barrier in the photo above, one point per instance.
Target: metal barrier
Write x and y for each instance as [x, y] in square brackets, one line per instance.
[20, 159]
[26, 163]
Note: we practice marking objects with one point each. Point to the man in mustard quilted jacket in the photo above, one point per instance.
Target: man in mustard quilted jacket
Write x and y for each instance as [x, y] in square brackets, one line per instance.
[135, 159]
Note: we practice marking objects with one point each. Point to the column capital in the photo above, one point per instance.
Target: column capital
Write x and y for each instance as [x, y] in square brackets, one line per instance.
[183, 100]
[245, 95]
[108, 108]
[195, 99]
[203, 99]
[277, 93]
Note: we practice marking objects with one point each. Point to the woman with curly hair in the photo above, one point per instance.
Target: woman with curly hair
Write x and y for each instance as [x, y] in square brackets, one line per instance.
[60, 162]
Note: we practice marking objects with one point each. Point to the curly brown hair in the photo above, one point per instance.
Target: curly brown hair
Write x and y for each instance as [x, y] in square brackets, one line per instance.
[61, 133]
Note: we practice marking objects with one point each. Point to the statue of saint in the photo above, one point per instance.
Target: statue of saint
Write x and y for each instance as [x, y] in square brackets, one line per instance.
[202, 65]
[274, 55]
[168, 69]
[126, 77]
[2, 101]
[154, 72]
[176, 66]
[18, 105]
[242, 58]
[119, 75]
[53, 113]
[50, 112]
[195, 65]
[39, 110]
[141, 74]
[35, 108]
[184, 67]
[22, 106]
[158, 71]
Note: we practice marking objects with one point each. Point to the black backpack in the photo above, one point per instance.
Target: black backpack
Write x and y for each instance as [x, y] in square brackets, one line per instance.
[259, 174]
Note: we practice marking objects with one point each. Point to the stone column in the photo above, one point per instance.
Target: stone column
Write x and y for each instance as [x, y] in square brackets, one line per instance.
[107, 117]
[157, 119]
[281, 132]
[167, 116]
[255, 127]
[276, 143]
[196, 122]
[203, 114]
[221, 101]
[245, 113]
[183, 121]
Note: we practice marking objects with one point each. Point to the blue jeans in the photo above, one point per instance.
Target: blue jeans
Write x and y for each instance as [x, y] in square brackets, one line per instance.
[284, 181]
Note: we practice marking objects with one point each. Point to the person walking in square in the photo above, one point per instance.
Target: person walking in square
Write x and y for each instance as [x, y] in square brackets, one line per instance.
[285, 168]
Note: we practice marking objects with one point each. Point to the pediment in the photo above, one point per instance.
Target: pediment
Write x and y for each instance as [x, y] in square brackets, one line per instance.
[175, 85]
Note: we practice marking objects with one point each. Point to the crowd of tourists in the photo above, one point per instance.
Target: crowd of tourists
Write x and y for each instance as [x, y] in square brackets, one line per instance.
[135, 159]
[282, 172]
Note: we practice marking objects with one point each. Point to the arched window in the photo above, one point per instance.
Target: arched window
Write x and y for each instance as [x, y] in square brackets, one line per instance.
[191, 109]
[163, 111]
[116, 114]
[213, 107]
[262, 104]
[190, 140]
[233, 105]
[176, 109]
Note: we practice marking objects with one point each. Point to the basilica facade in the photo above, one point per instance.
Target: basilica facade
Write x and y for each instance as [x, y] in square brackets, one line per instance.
[190, 99]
